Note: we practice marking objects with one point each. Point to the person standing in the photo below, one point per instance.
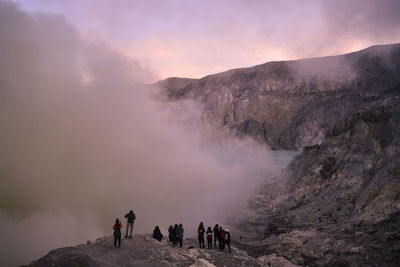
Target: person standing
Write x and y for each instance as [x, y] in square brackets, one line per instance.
[170, 229]
[180, 235]
[228, 239]
[130, 216]
[175, 235]
[209, 237]
[117, 233]
[216, 235]
[200, 232]
[221, 238]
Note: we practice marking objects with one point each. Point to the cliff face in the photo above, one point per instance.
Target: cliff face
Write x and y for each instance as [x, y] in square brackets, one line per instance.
[338, 202]
[290, 104]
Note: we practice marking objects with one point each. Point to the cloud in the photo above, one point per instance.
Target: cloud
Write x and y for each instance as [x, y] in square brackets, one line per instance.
[228, 33]
[370, 19]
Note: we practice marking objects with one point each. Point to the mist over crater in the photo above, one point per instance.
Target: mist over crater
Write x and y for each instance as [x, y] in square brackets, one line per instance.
[83, 141]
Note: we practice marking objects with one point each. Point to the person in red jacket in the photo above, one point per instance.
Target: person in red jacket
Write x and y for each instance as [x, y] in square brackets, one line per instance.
[221, 239]
[117, 233]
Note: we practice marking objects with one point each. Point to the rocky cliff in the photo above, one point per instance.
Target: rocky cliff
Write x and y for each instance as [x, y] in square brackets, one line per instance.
[338, 203]
[290, 104]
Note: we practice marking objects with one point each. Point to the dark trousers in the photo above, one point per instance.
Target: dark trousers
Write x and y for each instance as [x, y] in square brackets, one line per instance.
[209, 242]
[180, 242]
[201, 242]
[215, 241]
[228, 244]
[221, 244]
[117, 239]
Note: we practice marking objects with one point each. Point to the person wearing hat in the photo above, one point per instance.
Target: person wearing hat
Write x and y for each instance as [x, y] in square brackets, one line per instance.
[228, 239]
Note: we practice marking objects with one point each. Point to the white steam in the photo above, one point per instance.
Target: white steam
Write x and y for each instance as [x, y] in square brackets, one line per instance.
[82, 144]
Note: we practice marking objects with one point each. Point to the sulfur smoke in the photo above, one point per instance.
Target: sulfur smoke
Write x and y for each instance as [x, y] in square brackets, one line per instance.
[82, 143]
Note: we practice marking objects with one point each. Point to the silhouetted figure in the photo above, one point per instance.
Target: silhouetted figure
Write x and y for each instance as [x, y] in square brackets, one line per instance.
[117, 233]
[130, 216]
[180, 235]
[175, 235]
[157, 234]
[228, 239]
[221, 238]
[170, 229]
[209, 237]
[216, 235]
[200, 232]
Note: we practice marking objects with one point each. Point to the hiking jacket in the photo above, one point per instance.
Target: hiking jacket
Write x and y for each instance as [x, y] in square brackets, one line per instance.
[209, 234]
[131, 217]
[216, 232]
[117, 229]
[179, 235]
[227, 236]
[201, 231]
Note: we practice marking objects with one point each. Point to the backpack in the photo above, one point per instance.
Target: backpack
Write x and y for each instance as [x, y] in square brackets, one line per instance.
[117, 230]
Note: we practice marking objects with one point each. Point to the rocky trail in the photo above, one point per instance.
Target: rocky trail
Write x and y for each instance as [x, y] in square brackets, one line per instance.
[143, 250]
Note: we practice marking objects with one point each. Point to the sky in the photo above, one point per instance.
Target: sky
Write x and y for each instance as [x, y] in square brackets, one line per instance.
[191, 38]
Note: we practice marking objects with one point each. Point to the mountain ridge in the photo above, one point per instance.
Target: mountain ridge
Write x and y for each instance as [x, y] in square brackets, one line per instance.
[367, 49]
[281, 103]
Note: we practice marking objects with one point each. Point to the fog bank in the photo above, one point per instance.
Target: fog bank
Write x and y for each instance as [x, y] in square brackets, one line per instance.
[82, 143]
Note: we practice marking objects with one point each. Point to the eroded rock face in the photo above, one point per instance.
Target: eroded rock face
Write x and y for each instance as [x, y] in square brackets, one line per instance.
[338, 203]
[290, 104]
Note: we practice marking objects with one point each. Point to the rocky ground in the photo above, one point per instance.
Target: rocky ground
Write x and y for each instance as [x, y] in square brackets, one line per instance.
[143, 250]
[338, 203]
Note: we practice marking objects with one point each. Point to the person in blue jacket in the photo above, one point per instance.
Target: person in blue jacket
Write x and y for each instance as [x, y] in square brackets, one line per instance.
[130, 216]
[179, 235]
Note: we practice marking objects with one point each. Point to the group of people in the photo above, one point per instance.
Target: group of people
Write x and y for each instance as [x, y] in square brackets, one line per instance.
[175, 234]
[130, 216]
[223, 237]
